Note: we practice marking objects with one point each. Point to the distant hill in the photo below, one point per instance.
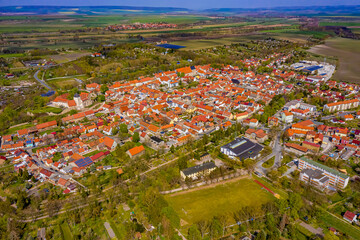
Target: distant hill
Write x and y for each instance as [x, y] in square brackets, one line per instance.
[311, 10]
[83, 10]
[102, 10]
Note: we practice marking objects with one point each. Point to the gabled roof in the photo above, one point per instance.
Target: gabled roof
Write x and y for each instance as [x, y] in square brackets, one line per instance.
[136, 150]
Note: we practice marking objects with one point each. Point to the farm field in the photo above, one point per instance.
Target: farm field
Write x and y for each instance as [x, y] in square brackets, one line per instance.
[66, 57]
[348, 53]
[14, 24]
[225, 198]
[206, 43]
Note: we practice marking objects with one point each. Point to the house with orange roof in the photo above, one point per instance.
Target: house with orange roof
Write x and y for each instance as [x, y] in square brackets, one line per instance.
[241, 116]
[136, 151]
[46, 126]
[296, 148]
[273, 121]
[109, 143]
[341, 106]
[348, 117]
[187, 71]
[22, 132]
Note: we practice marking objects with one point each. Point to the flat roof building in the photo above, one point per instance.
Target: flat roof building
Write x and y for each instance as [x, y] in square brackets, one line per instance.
[336, 178]
[242, 148]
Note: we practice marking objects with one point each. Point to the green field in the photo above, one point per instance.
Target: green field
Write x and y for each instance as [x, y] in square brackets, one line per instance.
[348, 53]
[222, 199]
[342, 226]
[65, 231]
[48, 110]
[345, 24]
[15, 129]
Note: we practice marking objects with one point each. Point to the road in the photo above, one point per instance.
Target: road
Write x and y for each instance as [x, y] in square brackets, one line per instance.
[41, 81]
[276, 151]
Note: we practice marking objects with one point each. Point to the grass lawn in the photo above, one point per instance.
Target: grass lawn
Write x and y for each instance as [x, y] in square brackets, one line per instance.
[48, 110]
[66, 233]
[225, 198]
[22, 126]
[119, 232]
[331, 221]
[269, 163]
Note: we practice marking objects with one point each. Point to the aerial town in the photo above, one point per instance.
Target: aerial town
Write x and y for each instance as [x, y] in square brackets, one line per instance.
[171, 123]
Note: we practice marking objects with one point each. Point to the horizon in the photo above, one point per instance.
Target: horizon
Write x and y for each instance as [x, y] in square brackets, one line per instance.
[188, 4]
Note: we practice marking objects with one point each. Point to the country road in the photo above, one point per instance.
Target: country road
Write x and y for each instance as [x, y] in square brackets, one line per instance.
[41, 81]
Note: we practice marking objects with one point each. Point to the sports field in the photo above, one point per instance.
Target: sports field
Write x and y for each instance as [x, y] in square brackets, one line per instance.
[193, 206]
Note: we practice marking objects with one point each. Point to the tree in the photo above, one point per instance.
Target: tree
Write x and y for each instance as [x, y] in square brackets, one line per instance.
[216, 229]
[172, 149]
[123, 128]
[136, 137]
[104, 88]
[182, 162]
[261, 235]
[100, 98]
[203, 226]
[194, 233]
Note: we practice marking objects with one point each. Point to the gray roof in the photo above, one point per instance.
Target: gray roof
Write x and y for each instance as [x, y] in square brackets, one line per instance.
[243, 148]
[315, 174]
[156, 139]
[199, 168]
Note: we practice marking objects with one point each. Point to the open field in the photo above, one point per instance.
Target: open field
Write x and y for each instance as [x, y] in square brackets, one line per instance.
[65, 230]
[340, 225]
[348, 53]
[225, 198]
[345, 24]
[66, 57]
[206, 43]
[63, 83]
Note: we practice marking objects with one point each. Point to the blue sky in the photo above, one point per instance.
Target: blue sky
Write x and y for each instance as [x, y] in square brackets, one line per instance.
[192, 4]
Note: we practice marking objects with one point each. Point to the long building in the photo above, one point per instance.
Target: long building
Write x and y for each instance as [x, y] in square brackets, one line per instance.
[336, 178]
[242, 148]
[341, 106]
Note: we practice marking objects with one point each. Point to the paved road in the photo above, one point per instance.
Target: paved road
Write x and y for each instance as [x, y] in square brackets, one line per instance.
[41, 81]
[78, 80]
[276, 151]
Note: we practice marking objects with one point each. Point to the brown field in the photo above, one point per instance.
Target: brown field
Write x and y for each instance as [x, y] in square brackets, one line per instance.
[66, 57]
[348, 53]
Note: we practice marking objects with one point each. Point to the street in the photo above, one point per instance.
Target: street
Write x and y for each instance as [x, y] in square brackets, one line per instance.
[41, 81]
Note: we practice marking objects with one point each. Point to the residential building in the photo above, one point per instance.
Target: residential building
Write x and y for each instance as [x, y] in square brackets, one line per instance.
[350, 217]
[287, 117]
[336, 178]
[315, 177]
[341, 106]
